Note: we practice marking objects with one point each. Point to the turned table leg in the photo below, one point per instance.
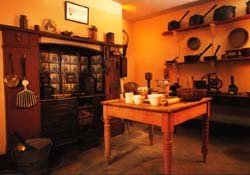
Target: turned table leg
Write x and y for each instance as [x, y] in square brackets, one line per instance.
[167, 129]
[106, 134]
[205, 133]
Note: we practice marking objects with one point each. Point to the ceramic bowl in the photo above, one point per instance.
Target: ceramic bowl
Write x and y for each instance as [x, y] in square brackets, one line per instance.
[138, 99]
[155, 99]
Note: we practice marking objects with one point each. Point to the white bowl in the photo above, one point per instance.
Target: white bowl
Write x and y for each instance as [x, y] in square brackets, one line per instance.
[155, 99]
[138, 99]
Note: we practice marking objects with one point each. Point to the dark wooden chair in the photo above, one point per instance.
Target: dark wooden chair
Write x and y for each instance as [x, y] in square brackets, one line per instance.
[132, 87]
[129, 87]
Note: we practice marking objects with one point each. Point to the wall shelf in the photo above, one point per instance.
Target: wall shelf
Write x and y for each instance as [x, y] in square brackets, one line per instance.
[214, 23]
[215, 61]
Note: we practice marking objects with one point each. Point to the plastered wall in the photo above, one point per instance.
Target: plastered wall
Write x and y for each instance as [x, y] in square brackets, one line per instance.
[2, 106]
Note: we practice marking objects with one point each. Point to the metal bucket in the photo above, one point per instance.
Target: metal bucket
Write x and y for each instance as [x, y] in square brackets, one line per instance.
[33, 161]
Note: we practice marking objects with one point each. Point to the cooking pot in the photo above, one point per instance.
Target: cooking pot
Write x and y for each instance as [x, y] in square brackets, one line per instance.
[224, 12]
[195, 58]
[212, 57]
[193, 43]
[172, 61]
[199, 19]
[245, 52]
[235, 53]
[248, 7]
[176, 24]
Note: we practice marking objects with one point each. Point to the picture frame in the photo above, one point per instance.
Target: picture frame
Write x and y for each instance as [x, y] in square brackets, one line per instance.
[76, 13]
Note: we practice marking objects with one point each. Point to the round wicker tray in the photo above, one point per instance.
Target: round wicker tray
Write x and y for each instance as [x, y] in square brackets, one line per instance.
[191, 94]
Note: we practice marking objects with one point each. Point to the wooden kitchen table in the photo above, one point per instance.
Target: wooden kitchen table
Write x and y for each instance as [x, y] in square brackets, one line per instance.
[164, 116]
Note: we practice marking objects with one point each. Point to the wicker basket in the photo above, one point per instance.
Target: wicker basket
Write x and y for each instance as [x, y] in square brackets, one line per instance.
[190, 94]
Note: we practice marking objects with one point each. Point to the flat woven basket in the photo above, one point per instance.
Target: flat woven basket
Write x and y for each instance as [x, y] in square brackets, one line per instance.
[190, 94]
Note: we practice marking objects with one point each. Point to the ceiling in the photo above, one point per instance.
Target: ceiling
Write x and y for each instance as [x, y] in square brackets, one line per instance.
[140, 9]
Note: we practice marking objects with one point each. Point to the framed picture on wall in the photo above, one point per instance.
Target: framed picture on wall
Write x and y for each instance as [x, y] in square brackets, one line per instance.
[77, 13]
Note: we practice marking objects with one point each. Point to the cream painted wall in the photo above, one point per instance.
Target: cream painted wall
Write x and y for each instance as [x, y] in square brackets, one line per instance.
[105, 14]
[2, 109]
[152, 49]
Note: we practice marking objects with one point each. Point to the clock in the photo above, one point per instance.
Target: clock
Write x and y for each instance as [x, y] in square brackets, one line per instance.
[125, 37]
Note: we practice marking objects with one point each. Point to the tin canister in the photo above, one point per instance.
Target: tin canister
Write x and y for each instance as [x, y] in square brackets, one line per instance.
[110, 37]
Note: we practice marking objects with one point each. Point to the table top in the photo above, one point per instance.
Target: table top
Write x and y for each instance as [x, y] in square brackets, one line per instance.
[145, 106]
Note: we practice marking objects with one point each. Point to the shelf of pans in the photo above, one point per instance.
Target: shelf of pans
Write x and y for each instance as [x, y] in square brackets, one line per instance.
[214, 61]
[240, 18]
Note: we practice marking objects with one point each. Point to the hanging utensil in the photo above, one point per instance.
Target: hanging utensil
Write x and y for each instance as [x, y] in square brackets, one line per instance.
[25, 98]
[176, 24]
[11, 79]
[199, 19]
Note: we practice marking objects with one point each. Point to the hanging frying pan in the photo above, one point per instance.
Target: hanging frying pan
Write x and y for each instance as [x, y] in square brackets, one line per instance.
[193, 43]
[199, 19]
[238, 37]
[176, 24]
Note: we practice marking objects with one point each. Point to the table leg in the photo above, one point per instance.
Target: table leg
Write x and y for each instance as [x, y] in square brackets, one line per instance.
[168, 131]
[167, 152]
[151, 134]
[205, 133]
[106, 134]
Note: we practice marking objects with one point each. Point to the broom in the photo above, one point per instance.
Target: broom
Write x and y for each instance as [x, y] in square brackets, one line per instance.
[25, 98]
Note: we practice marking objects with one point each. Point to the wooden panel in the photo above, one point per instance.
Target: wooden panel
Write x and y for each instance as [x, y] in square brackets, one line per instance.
[135, 115]
[59, 120]
[24, 121]
[189, 113]
[112, 78]
[16, 38]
